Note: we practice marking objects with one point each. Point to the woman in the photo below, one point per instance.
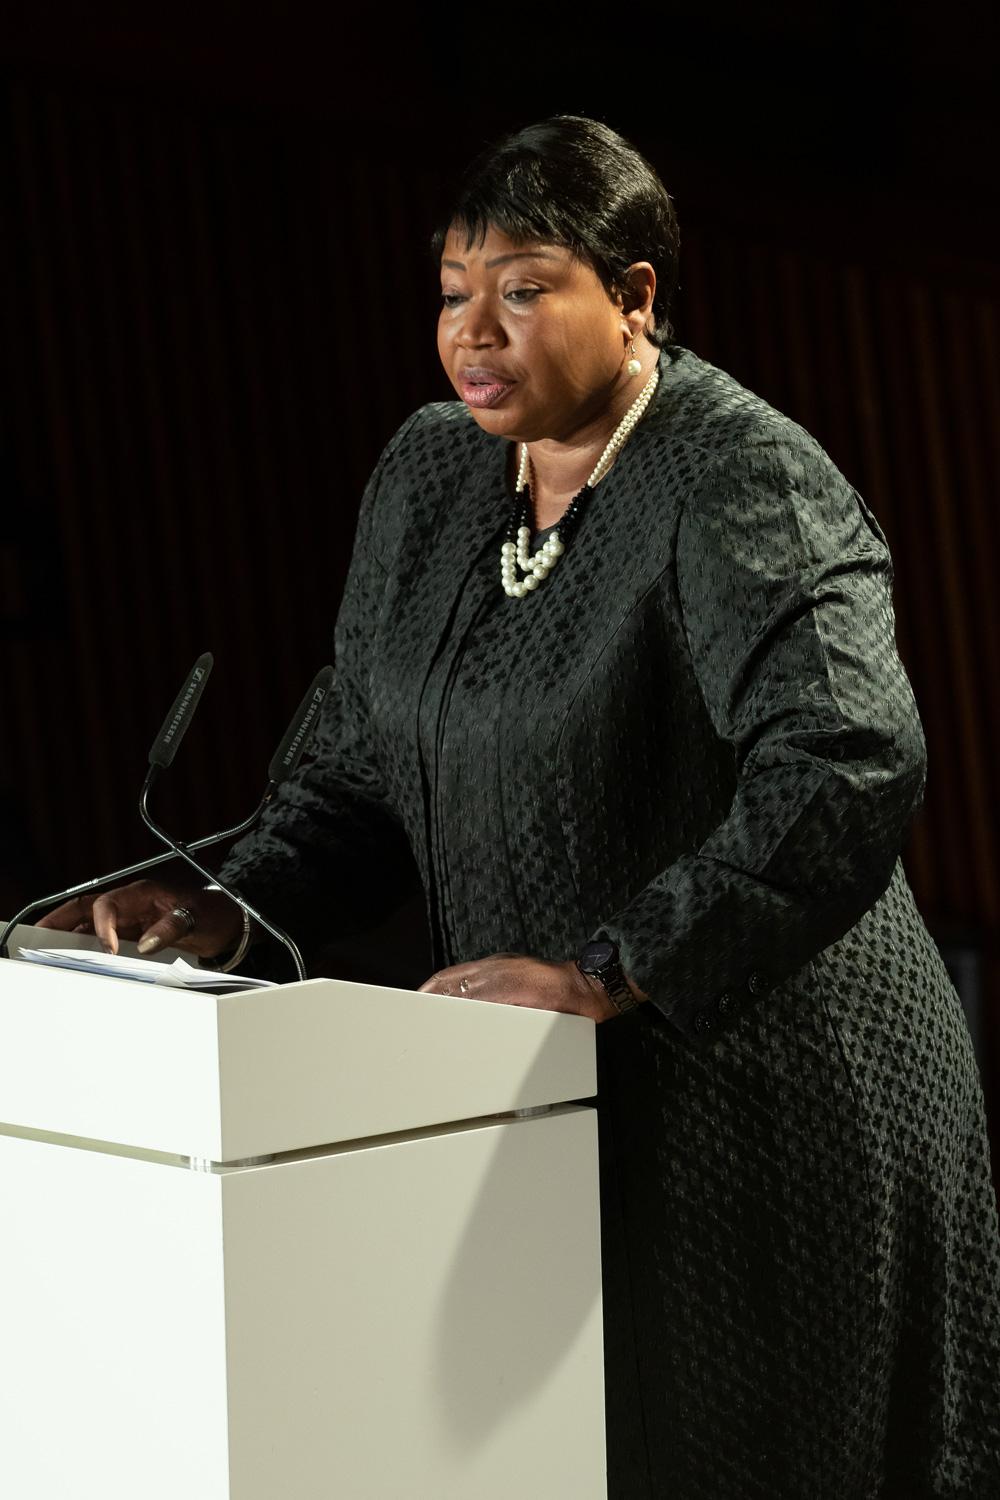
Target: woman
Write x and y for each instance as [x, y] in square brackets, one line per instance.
[657, 772]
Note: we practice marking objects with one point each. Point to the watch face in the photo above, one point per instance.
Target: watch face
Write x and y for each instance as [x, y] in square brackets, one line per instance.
[596, 955]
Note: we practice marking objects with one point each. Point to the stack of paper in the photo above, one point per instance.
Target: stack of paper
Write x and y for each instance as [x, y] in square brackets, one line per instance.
[179, 975]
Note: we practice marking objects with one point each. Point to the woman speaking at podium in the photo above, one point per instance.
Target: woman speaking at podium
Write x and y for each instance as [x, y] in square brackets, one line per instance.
[616, 664]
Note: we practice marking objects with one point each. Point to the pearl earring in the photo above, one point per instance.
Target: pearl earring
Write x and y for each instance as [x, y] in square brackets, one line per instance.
[634, 366]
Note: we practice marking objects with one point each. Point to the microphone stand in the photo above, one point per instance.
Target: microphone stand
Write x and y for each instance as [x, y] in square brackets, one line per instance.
[184, 853]
[135, 869]
[283, 764]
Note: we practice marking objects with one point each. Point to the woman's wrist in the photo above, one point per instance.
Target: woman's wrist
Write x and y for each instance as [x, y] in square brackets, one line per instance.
[228, 957]
[599, 963]
[639, 995]
[596, 1003]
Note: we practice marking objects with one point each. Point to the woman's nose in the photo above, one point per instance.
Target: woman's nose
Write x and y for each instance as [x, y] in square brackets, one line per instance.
[479, 325]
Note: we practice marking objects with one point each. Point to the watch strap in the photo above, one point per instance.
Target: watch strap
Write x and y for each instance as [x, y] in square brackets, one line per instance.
[612, 978]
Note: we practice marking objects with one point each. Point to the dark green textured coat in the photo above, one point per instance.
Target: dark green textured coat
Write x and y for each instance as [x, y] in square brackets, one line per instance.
[697, 735]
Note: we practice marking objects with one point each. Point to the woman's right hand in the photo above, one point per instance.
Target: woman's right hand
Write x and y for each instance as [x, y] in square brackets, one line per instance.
[143, 910]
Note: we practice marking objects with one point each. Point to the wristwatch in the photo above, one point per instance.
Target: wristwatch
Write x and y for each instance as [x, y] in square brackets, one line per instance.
[600, 958]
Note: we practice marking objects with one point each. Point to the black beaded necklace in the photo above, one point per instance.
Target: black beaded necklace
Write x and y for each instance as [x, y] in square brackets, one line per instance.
[514, 548]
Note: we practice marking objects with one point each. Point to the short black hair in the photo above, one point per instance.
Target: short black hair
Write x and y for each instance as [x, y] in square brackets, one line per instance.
[573, 181]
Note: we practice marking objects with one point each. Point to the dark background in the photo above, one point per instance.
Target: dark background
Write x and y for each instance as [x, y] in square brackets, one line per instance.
[218, 305]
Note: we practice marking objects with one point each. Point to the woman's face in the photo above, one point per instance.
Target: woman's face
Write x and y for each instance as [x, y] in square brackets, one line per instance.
[528, 336]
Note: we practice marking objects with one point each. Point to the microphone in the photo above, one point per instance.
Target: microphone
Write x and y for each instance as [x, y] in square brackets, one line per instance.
[175, 725]
[289, 752]
[164, 749]
[283, 763]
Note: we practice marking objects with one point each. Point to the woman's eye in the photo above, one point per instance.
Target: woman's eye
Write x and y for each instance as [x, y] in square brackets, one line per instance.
[519, 294]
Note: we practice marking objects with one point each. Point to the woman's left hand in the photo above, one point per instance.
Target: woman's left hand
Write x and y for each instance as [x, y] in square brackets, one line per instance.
[517, 979]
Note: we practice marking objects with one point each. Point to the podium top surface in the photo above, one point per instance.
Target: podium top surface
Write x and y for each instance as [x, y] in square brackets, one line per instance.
[228, 1077]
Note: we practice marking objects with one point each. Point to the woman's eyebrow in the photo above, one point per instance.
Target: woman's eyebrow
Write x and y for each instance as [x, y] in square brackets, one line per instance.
[498, 260]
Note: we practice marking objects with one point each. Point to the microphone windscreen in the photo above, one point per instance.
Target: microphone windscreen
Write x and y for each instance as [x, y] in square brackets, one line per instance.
[289, 752]
[175, 724]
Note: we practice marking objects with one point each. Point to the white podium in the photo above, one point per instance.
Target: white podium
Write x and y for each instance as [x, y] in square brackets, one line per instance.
[328, 1241]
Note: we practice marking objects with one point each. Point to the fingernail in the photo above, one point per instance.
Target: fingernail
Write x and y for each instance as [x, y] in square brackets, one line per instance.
[147, 944]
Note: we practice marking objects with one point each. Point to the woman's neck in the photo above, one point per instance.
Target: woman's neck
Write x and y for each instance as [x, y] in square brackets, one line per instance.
[558, 470]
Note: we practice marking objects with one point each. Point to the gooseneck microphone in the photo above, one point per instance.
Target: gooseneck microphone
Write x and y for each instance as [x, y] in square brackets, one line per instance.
[283, 763]
[180, 714]
[163, 751]
[164, 748]
[289, 752]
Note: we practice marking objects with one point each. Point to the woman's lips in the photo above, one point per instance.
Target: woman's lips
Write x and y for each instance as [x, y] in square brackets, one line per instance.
[485, 395]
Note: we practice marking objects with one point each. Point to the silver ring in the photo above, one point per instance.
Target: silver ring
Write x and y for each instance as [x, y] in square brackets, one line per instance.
[185, 915]
[464, 986]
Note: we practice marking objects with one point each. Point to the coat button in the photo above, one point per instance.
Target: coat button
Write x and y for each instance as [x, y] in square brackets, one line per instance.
[702, 1021]
[757, 982]
[726, 1004]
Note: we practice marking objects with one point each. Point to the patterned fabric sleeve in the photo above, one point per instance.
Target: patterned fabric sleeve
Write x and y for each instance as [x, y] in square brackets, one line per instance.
[785, 586]
[330, 854]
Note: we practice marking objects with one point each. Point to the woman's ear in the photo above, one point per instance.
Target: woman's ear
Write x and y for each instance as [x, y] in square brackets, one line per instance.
[640, 289]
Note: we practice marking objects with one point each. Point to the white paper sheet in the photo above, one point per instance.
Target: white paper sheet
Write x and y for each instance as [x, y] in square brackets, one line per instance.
[178, 975]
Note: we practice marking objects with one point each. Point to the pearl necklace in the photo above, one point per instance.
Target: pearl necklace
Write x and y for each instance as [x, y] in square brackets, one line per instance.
[514, 550]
